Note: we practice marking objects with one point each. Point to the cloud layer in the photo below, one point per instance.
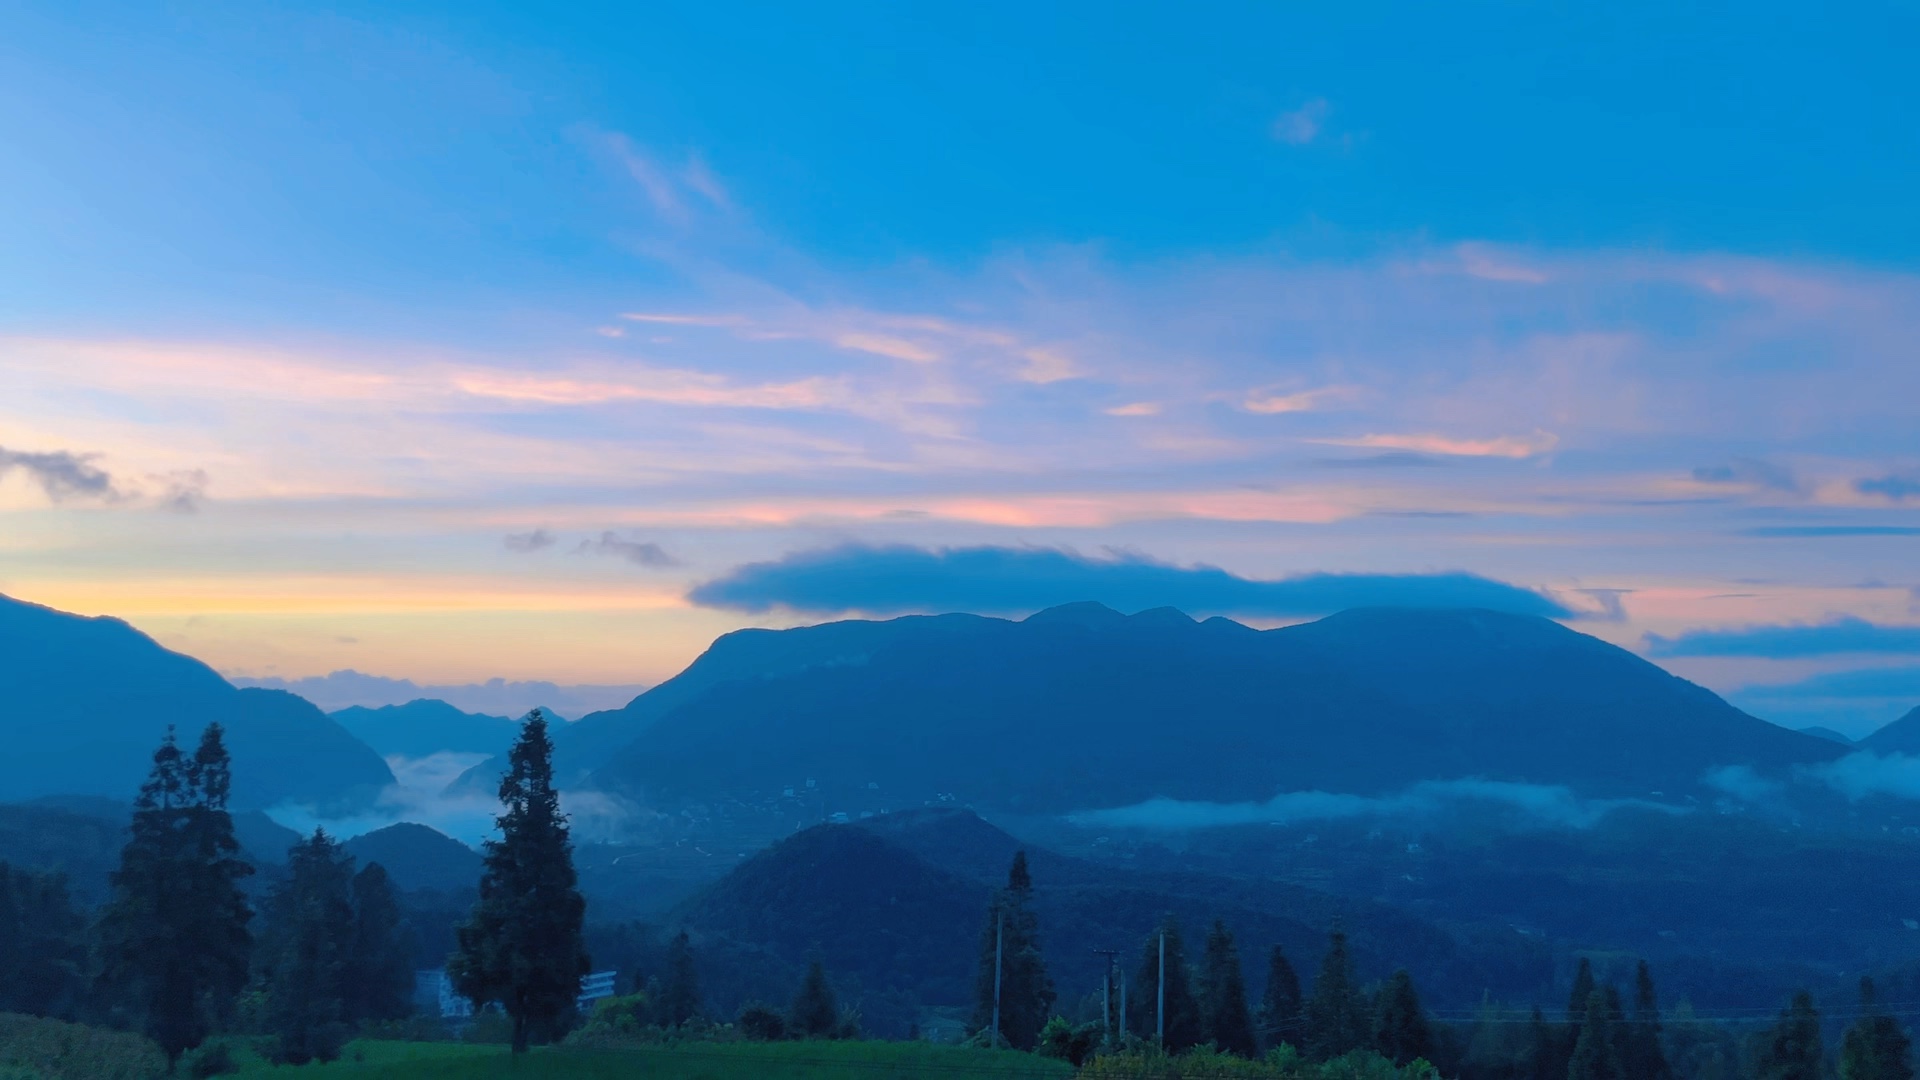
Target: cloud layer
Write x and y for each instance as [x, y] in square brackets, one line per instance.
[1841, 634]
[1531, 805]
[898, 579]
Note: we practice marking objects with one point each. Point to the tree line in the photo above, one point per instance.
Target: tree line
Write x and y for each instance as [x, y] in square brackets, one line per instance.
[1175, 1006]
[1204, 1007]
[178, 952]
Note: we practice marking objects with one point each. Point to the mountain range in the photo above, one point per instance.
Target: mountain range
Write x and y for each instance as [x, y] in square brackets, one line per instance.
[427, 726]
[93, 697]
[1081, 707]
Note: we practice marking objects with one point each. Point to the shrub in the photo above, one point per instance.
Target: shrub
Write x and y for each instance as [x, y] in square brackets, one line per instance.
[762, 1023]
[1060, 1039]
[211, 1058]
[54, 1050]
[489, 1025]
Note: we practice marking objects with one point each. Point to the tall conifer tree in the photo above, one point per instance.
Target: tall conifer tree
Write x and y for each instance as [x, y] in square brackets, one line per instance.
[1012, 933]
[680, 993]
[1282, 1018]
[1225, 1019]
[1876, 1047]
[1595, 1055]
[1400, 1029]
[1645, 1059]
[175, 949]
[1336, 1014]
[308, 951]
[1791, 1049]
[380, 985]
[522, 945]
[1183, 1011]
[815, 1014]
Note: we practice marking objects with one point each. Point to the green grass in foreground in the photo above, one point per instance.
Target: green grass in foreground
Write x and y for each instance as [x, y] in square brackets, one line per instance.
[367, 1060]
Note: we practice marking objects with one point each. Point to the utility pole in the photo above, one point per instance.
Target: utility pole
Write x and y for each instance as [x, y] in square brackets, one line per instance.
[999, 942]
[1160, 1009]
[1106, 1002]
[1123, 1005]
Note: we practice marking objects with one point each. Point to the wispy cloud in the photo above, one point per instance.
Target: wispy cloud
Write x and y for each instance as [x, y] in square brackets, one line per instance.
[897, 579]
[526, 542]
[1817, 532]
[1499, 446]
[677, 193]
[1898, 487]
[61, 474]
[882, 345]
[1394, 459]
[183, 491]
[1271, 404]
[1749, 472]
[638, 552]
[1839, 635]
[1303, 125]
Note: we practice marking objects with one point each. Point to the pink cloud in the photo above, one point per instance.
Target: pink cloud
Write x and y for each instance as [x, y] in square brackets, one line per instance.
[1501, 446]
[883, 345]
[1270, 404]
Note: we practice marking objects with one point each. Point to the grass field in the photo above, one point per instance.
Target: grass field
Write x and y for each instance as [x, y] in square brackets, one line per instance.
[368, 1060]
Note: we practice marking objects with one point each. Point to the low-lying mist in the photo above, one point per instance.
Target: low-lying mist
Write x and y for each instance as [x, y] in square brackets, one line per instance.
[1521, 805]
[424, 793]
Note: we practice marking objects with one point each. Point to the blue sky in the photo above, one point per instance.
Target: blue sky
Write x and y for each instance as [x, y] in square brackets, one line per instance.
[307, 312]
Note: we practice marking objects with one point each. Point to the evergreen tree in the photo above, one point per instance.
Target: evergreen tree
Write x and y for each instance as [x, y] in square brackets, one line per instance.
[308, 951]
[380, 983]
[1224, 1017]
[1543, 1049]
[814, 1014]
[1336, 1013]
[522, 945]
[1876, 1047]
[680, 996]
[1183, 1011]
[1400, 1030]
[1282, 1018]
[1595, 1055]
[1012, 933]
[1618, 1032]
[1791, 1049]
[1577, 1000]
[42, 945]
[225, 944]
[1644, 1058]
[1567, 1035]
[174, 946]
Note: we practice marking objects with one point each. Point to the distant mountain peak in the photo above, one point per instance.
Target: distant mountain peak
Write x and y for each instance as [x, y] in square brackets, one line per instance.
[1900, 737]
[1088, 613]
[105, 694]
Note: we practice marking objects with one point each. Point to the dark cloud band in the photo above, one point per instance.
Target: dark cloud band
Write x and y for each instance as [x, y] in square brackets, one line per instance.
[60, 474]
[1791, 641]
[899, 579]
